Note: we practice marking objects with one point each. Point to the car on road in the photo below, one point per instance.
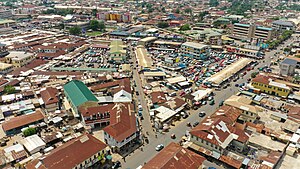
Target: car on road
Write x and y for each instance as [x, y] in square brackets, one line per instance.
[137, 93]
[196, 124]
[204, 103]
[116, 165]
[173, 136]
[202, 114]
[212, 102]
[159, 147]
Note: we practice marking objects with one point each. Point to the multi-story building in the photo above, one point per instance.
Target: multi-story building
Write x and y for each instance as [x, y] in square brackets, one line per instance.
[114, 16]
[218, 132]
[123, 131]
[5, 68]
[281, 25]
[251, 32]
[117, 51]
[77, 93]
[287, 67]
[195, 50]
[249, 112]
[267, 85]
[82, 152]
[3, 50]
[19, 58]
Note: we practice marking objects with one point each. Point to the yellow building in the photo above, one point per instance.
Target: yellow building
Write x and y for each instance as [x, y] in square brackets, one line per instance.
[19, 58]
[5, 68]
[268, 85]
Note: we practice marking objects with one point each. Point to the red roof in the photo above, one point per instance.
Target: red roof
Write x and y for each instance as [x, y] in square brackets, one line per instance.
[158, 97]
[231, 161]
[22, 120]
[261, 79]
[89, 111]
[123, 84]
[122, 121]
[49, 95]
[231, 114]
[208, 130]
[294, 112]
[70, 154]
[175, 157]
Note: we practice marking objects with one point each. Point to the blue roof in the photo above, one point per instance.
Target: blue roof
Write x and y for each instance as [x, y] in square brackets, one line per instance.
[119, 33]
[264, 28]
[289, 61]
[240, 24]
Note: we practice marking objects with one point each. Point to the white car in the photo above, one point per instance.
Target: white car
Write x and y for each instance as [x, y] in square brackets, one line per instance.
[159, 147]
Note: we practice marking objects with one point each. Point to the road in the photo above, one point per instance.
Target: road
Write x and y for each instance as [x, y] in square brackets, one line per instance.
[139, 157]
[146, 123]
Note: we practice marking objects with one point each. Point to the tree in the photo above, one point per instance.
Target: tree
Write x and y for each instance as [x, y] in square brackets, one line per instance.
[185, 27]
[254, 74]
[9, 89]
[29, 132]
[202, 14]
[162, 24]
[102, 26]
[94, 12]
[94, 25]
[188, 10]
[177, 10]
[75, 30]
[213, 3]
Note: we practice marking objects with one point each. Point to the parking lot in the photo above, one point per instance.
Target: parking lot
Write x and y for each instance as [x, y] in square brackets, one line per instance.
[93, 58]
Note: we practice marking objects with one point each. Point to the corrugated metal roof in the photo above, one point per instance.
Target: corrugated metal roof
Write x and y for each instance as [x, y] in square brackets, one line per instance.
[78, 92]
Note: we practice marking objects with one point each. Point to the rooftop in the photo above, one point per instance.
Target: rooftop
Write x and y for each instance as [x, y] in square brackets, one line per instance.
[18, 55]
[22, 120]
[175, 157]
[69, 154]
[194, 45]
[78, 92]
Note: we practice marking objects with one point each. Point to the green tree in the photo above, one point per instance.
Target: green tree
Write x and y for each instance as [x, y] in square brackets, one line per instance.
[177, 10]
[29, 132]
[213, 3]
[102, 26]
[9, 89]
[94, 25]
[94, 12]
[202, 14]
[162, 24]
[185, 27]
[75, 30]
[188, 10]
[254, 74]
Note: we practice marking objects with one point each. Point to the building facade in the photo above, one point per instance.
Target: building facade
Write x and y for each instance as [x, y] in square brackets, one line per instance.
[269, 86]
[287, 67]
[251, 32]
[195, 50]
[19, 58]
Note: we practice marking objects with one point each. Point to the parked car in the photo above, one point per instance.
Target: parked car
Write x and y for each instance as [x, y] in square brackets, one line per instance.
[159, 147]
[196, 124]
[202, 114]
[117, 164]
[212, 102]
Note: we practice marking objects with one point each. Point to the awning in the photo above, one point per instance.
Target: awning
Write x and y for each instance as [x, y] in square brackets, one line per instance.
[108, 157]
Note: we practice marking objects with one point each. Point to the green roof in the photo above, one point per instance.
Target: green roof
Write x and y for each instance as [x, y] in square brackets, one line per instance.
[78, 93]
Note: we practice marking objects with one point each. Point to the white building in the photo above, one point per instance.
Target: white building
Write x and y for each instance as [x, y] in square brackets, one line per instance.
[33, 144]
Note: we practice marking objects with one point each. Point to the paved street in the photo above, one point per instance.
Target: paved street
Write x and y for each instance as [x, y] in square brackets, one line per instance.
[139, 157]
